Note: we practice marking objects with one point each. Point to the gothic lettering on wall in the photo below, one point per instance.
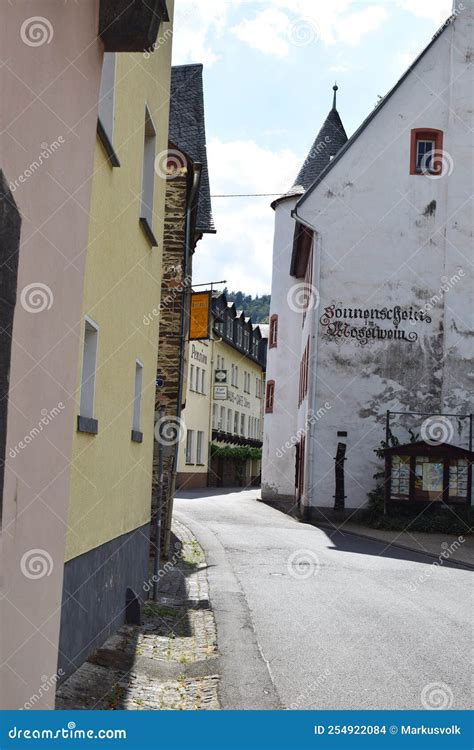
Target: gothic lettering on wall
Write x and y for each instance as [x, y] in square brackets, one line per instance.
[337, 322]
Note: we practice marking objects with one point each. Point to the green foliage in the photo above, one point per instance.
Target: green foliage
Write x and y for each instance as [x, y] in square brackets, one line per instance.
[258, 308]
[237, 452]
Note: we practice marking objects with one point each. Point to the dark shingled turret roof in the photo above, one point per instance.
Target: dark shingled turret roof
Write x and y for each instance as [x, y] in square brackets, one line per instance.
[187, 130]
[330, 139]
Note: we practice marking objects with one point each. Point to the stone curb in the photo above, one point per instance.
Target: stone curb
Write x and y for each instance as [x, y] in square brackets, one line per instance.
[371, 538]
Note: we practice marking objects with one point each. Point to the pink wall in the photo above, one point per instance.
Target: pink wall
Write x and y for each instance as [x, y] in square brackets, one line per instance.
[48, 91]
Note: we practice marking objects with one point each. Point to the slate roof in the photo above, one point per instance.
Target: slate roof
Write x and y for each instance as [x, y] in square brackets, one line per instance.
[330, 139]
[187, 130]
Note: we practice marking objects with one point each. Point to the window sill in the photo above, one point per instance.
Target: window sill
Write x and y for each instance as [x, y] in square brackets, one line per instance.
[148, 231]
[109, 149]
[189, 463]
[200, 464]
[137, 436]
[88, 425]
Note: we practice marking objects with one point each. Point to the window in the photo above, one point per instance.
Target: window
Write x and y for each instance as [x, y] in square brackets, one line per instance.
[273, 332]
[258, 386]
[199, 445]
[105, 125]
[203, 377]
[219, 362]
[222, 420]
[137, 402]
[426, 151]
[229, 327]
[214, 416]
[270, 397]
[89, 367]
[198, 379]
[148, 179]
[236, 423]
[191, 378]
[229, 420]
[242, 425]
[246, 340]
[189, 446]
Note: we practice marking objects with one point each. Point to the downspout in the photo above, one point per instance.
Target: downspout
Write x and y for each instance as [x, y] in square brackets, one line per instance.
[311, 428]
[197, 170]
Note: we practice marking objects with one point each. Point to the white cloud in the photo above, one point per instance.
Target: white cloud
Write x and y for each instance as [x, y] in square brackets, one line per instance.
[267, 32]
[436, 10]
[276, 27]
[195, 24]
[353, 27]
[241, 252]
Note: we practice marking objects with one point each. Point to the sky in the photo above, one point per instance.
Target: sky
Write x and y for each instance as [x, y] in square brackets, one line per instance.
[269, 68]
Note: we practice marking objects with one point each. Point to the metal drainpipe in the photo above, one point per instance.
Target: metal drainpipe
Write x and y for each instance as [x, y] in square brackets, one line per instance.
[182, 337]
[314, 348]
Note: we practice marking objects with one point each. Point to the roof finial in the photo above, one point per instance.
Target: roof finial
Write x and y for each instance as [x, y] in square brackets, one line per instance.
[335, 88]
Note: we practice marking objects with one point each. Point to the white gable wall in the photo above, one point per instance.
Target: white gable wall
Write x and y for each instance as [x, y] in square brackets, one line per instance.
[383, 244]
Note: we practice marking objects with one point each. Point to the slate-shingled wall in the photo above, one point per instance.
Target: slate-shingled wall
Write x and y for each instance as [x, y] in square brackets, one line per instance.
[173, 287]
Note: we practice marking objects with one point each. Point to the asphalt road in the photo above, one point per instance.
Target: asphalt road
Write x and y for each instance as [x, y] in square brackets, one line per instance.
[306, 621]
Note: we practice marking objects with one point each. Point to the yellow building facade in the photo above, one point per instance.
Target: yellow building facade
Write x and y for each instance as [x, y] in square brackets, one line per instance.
[109, 511]
[223, 418]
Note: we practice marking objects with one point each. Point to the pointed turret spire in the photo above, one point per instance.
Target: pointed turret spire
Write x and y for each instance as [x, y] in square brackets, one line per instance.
[329, 141]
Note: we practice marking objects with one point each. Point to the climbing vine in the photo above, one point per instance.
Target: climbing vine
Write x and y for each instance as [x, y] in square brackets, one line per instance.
[238, 452]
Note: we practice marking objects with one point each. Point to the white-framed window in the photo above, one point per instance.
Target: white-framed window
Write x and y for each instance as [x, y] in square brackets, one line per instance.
[424, 154]
[199, 446]
[198, 379]
[242, 425]
[203, 381]
[236, 422]
[137, 401]
[222, 419]
[189, 446]
[148, 177]
[219, 362]
[191, 377]
[89, 368]
[107, 96]
[214, 416]
[229, 420]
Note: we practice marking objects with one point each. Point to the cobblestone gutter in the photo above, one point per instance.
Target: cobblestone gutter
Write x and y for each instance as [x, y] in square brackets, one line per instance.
[168, 662]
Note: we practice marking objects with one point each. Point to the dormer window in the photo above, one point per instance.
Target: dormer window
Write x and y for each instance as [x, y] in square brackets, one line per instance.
[426, 151]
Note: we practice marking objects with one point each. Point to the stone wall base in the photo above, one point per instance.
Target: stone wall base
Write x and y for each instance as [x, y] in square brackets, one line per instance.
[94, 594]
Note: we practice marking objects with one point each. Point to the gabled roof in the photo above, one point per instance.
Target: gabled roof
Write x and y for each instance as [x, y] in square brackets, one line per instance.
[371, 116]
[187, 129]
